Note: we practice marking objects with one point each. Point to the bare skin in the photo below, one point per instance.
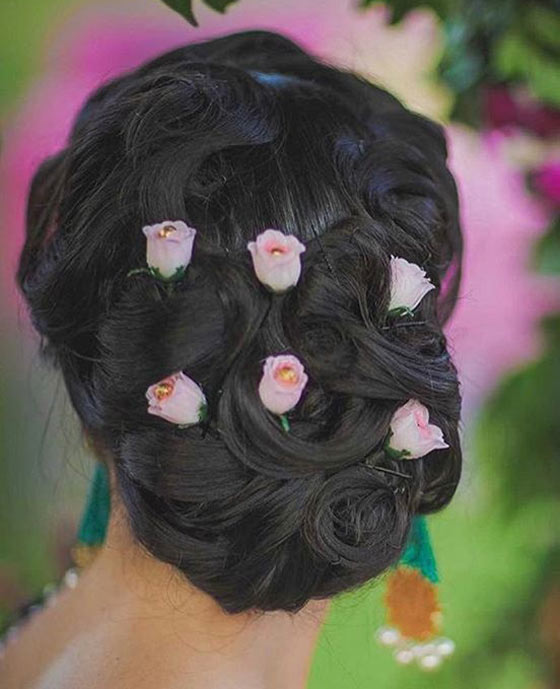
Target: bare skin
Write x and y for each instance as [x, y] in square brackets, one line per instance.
[134, 622]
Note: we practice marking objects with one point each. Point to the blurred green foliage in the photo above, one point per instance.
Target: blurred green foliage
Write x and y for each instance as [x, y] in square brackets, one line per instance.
[22, 36]
[519, 432]
[497, 41]
[529, 50]
[547, 252]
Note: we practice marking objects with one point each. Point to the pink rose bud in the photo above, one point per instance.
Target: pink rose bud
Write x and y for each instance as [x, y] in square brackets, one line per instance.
[169, 248]
[408, 285]
[412, 435]
[178, 399]
[276, 259]
[282, 383]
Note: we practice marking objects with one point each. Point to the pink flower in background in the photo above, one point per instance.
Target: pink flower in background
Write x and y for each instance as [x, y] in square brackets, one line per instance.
[276, 259]
[509, 107]
[412, 434]
[169, 247]
[501, 299]
[282, 382]
[547, 180]
[500, 302]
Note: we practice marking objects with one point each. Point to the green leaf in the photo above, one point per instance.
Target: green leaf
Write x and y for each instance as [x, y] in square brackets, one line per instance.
[547, 251]
[219, 5]
[530, 51]
[203, 413]
[184, 8]
[462, 71]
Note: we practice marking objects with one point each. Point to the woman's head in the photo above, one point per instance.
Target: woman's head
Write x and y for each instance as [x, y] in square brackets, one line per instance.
[234, 136]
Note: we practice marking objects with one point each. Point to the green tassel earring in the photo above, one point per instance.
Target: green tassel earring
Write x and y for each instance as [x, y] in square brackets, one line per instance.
[95, 518]
[419, 553]
[413, 610]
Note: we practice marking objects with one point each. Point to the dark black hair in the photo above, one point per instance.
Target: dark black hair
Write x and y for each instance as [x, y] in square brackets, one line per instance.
[256, 517]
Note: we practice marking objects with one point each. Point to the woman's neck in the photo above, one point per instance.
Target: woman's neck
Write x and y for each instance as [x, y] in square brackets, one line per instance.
[147, 600]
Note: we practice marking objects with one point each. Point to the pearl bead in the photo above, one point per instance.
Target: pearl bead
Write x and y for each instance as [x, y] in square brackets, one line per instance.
[404, 656]
[50, 596]
[430, 662]
[387, 636]
[421, 650]
[445, 647]
[51, 600]
[49, 589]
[71, 578]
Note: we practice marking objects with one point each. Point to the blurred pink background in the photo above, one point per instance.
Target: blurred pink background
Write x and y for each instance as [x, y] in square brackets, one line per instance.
[508, 177]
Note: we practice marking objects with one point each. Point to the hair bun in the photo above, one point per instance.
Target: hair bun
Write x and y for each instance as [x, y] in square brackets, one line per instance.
[256, 517]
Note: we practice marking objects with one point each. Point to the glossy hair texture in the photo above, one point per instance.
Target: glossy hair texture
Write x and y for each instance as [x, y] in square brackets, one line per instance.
[256, 517]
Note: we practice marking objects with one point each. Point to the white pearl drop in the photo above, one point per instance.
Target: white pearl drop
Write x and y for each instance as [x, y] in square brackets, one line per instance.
[71, 578]
[387, 636]
[49, 590]
[430, 662]
[404, 656]
[445, 647]
[421, 650]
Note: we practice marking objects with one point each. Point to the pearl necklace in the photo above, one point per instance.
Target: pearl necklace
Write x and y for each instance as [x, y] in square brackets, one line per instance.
[48, 598]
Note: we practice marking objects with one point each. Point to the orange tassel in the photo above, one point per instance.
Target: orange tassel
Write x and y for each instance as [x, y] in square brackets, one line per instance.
[412, 604]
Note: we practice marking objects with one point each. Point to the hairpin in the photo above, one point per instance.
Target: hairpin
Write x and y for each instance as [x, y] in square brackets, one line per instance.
[409, 284]
[274, 78]
[391, 472]
[169, 247]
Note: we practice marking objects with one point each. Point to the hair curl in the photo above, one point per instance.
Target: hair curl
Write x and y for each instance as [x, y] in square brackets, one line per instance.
[257, 518]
